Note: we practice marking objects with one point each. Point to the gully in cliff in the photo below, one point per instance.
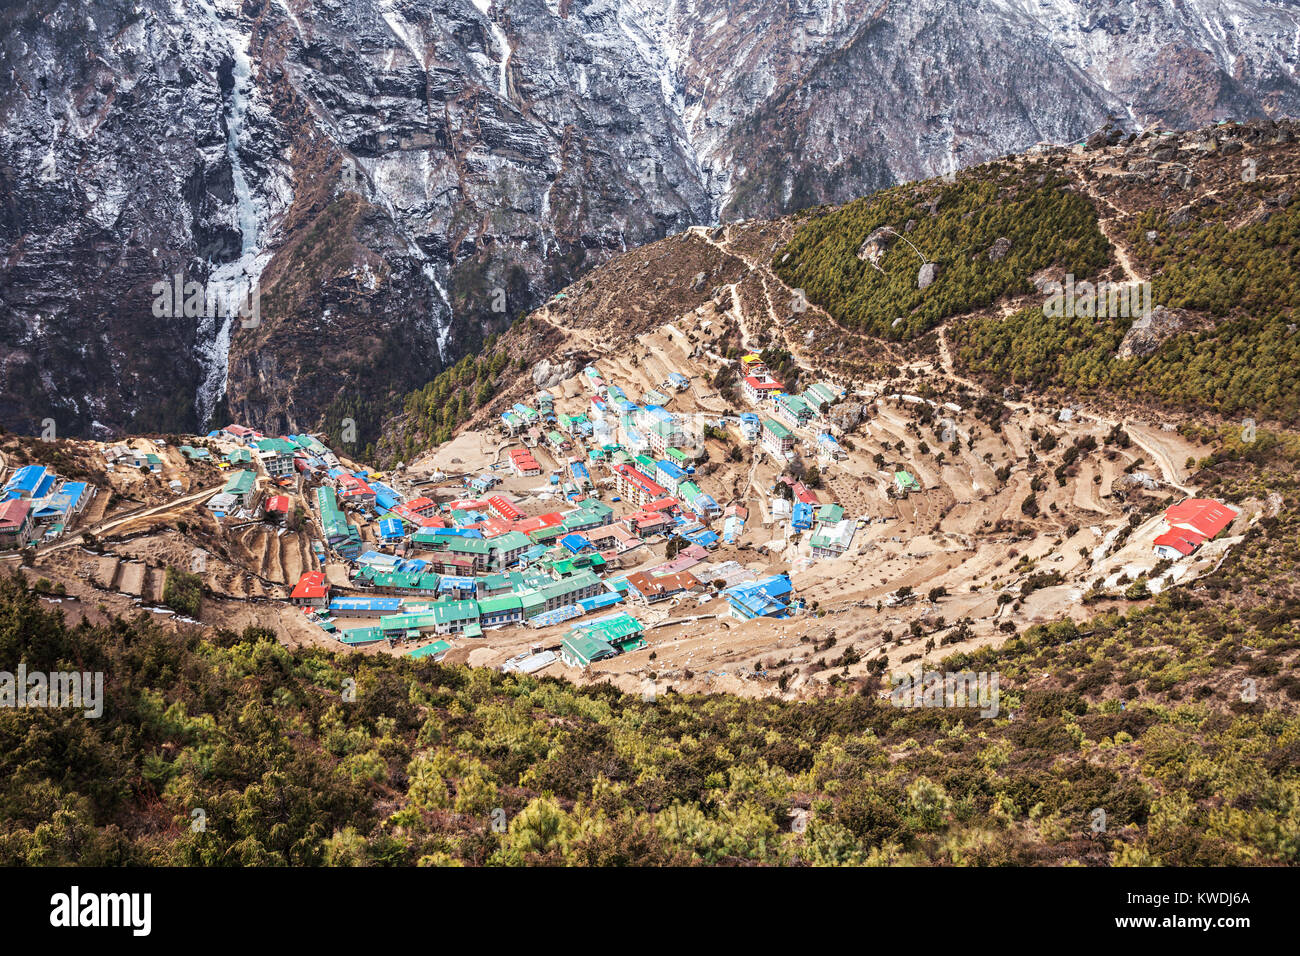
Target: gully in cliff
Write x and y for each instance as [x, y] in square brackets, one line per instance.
[174, 298]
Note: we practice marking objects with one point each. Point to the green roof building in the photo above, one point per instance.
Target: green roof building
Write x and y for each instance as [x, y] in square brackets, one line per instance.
[905, 483]
[241, 485]
[362, 635]
[436, 649]
[581, 650]
[777, 439]
[830, 513]
[496, 611]
[452, 617]
[819, 394]
[406, 582]
[615, 631]
[398, 625]
[591, 513]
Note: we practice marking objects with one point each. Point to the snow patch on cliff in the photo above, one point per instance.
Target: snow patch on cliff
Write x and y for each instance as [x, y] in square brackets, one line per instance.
[251, 214]
[485, 7]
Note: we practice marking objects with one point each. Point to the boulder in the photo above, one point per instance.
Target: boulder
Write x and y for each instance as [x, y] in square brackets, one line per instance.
[548, 374]
[926, 275]
[1149, 331]
[876, 244]
[998, 251]
[848, 415]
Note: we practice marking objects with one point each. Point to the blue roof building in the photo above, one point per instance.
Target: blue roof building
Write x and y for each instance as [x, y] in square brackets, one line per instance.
[762, 598]
[595, 603]
[76, 491]
[575, 543]
[386, 498]
[30, 481]
[461, 586]
[669, 474]
[365, 605]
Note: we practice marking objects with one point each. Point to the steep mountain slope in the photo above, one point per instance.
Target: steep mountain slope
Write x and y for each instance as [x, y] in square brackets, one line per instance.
[1200, 224]
[404, 178]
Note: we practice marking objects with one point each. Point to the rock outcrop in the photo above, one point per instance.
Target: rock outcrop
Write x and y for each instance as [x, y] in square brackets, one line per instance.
[399, 180]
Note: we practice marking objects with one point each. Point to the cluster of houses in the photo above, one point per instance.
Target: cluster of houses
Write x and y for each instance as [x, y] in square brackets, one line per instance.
[124, 456]
[651, 454]
[474, 564]
[37, 505]
[832, 531]
[279, 457]
[781, 413]
[458, 568]
[659, 446]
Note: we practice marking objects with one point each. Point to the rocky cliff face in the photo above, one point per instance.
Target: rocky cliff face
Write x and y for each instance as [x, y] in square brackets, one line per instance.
[398, 178]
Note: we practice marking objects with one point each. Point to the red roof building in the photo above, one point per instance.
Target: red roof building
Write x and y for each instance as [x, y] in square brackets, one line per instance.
[758, 390]
[503, 508]
[422, 506]
[523, 462]
[278, 504]
[1177, 543]
[1204, 516]
[800, 491]
[355, 488]
[495, 527]
[537, 523]
[15, 521]
[663, 505]
[311, 590]
[647, 521]
[651, 588]
[636, 487]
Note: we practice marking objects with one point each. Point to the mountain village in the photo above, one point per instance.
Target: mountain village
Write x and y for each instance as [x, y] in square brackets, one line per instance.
[625, 524]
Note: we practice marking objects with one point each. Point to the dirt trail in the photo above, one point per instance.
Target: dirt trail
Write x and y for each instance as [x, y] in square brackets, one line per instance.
[1163, 447]
[106, 526]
